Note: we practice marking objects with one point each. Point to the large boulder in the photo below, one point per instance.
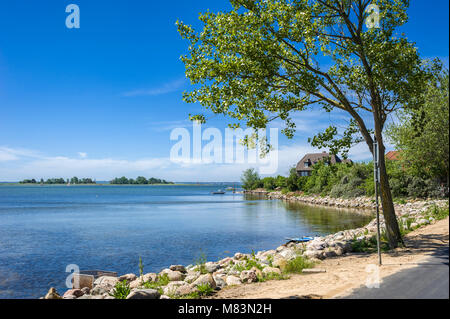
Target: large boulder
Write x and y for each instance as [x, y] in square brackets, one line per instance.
[144, 294]
[211, 267]
[205, 279]
[279, 261]
[171, 288]
[150, 277]
[191, 278]
[106, 282]
[287, 254]
[136, 283]
[220, 280]
[185, 290]
[99, 291]
[225, 262]
[128, 277]
[173, 275]
[179, 268]
[69, 294]
[248, 276]
[233, 281]
[52, 294]
[271, 270]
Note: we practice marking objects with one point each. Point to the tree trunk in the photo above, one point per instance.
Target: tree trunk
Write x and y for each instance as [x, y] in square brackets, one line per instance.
[392, 230]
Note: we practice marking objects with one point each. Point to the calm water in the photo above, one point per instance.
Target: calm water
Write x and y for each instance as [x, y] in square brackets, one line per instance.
[45, 228]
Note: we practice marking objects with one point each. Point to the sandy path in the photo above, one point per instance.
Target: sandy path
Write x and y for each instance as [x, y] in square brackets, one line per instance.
[343, 274]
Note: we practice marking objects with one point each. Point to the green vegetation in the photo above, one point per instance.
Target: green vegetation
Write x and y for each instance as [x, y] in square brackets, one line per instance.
[160, 282]
[273, 276]
[204, 289]
[258, 62]
[296, 265]
[59, 181]
[347, 180]
[200, 263]
[139, 181]
[405, 223]
[422, 133]
[121, 290]
[141, 268]
[250, 179]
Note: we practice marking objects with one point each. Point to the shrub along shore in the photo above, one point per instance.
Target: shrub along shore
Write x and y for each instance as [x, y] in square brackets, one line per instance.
[203, 278]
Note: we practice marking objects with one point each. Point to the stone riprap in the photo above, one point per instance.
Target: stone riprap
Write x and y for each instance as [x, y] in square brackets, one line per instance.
[240, 269]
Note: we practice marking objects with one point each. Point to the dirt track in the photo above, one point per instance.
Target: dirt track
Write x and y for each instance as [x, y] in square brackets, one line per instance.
[343, 274]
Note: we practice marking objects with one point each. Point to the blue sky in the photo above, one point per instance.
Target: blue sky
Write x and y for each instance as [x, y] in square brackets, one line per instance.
[101, 101]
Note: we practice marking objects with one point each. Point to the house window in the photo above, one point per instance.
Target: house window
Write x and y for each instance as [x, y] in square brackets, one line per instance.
[304, 174]
[306, 164]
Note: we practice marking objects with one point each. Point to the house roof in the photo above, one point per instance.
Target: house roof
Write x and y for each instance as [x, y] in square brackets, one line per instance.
[393, 155]
[313, 158]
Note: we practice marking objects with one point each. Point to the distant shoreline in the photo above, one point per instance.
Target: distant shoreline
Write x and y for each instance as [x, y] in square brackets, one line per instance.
[105, 184]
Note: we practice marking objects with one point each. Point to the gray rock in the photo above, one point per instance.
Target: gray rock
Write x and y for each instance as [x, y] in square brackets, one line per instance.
[205, 279]
[52, 294]
[185, 290]
[86, 290]
[233, 281]
[99, 291]
[211, 267]
[144, 294]
[179, 268]
[220, 281]
[128, 277]
[73, 292]
[248, 276]
[150, 277]
[173, 275]
[269, 270]
[106, 282]
[288, 254]
[191, 278]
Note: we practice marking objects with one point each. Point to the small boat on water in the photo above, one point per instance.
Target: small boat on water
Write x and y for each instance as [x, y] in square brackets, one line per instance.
[303, 239]
[218, 192]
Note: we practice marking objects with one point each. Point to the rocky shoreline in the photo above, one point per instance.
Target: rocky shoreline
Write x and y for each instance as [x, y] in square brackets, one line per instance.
[180, 281]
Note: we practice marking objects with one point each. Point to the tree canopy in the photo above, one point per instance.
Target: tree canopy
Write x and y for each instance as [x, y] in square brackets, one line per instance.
[266, 59]
[422, 134]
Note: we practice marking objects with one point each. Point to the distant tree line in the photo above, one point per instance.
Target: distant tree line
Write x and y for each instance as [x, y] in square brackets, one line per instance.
[138, 181]
[347, 180]
[73, 180]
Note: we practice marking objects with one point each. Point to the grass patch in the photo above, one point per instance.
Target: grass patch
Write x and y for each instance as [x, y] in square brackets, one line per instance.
[121, 290]
[200, 262]
[160, 282]
[272, 276]
[204, 289]
[437, 212]
[296, 265]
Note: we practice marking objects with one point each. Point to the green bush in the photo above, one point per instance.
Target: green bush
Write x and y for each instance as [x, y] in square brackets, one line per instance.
[269, 183]
[121, 290]
[205, 289]
[296, 265]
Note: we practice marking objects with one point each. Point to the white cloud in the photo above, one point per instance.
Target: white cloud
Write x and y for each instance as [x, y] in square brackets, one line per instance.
[19, 164]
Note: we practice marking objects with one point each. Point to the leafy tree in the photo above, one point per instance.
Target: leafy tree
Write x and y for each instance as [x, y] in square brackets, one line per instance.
[269, 183]
[280, 181]
[422, 134]
[250, 179]
[141, 180]
[266, 59]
